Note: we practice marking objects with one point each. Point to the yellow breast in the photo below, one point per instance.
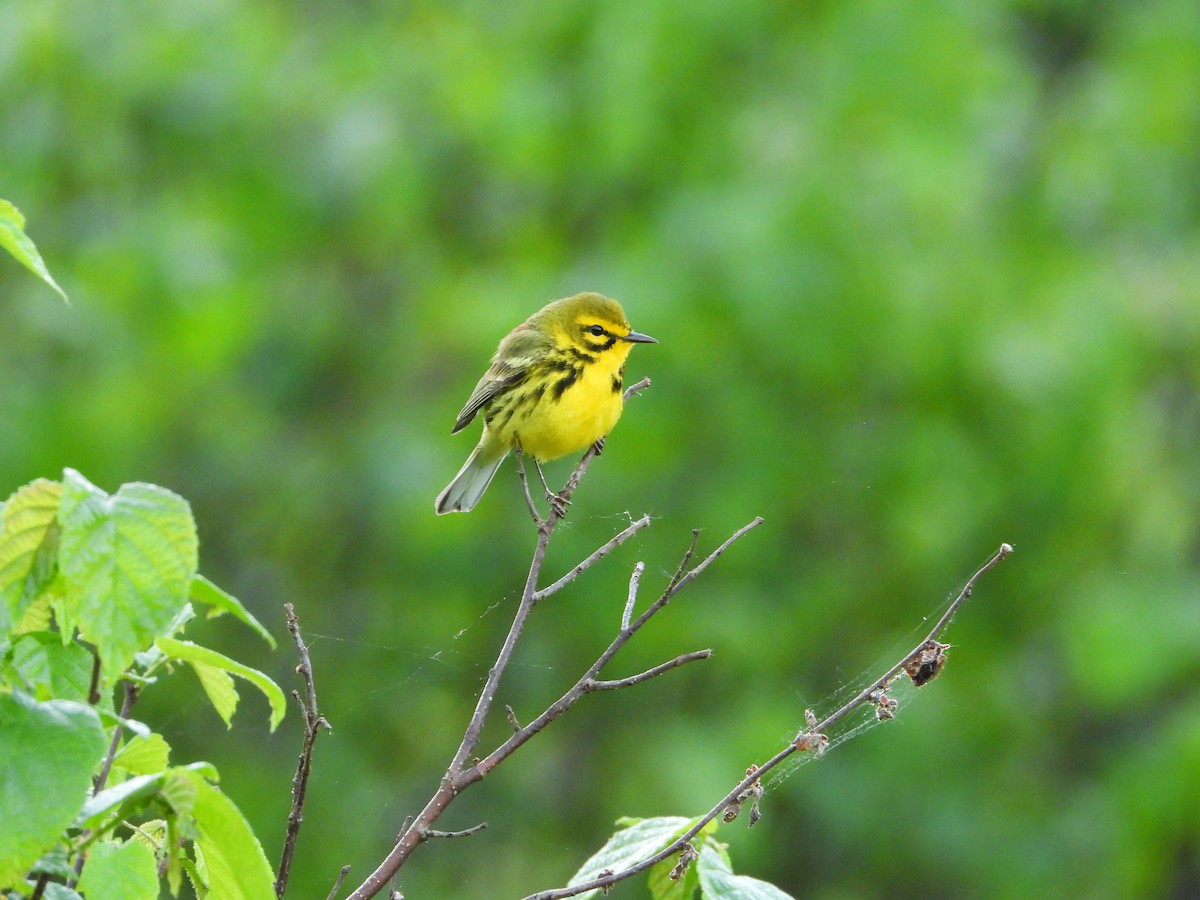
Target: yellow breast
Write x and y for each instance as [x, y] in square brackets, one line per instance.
[585, 410]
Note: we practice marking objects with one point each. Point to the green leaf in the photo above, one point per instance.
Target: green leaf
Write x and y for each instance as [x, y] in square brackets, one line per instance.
[59, 892]
[110, 799]
[14, 240]
[128, 561]
[204, 591]
[48, 752]
[194, 653]
[28, 546]
[219, 687]
[50, 669]
[120, 872]
[37, 617]
[55, 863]
[110, 718]
[235, 867]
[144, 755]
[142, 788]
[179, 790]
[663, 887]
[717, 881]
[643, 838]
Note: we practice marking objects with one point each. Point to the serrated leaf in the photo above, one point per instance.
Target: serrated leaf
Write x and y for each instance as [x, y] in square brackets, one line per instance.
[110, 799]
[28, 546]
[109, 718]
[194, 653]
[119, 872]
[204, 591]
[197, 873]
[37, 616]
[144, 755]
[59, 892]
[717, 881]
[128, 561]
[218, 686]
[48, 752]
[50, 669]
[140, 787]
[640, 840]
[15, 241]
[54, 863]
[179, 790]
[234, 867]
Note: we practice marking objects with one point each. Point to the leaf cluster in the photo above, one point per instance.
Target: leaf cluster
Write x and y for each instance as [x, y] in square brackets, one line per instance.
[95, 591]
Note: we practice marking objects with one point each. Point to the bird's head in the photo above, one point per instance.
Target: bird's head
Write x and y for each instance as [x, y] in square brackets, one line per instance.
[591, 324]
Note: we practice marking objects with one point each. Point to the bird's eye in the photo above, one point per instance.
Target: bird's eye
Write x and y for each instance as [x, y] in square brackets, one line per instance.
[596, 330]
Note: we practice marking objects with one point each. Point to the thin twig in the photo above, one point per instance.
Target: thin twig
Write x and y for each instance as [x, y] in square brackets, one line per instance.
[619, 683]
[132, 692]
[313, 723]
[634, 389]
[429, 833]
[687, 558]
[679, 583]
[458, 776]
[809, 739]
[93, 694]
[587, 681]
[337, 885]
[598, 554]
[635, 580]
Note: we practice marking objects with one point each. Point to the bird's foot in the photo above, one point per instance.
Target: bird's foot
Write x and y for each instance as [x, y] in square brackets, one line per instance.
[558, 504]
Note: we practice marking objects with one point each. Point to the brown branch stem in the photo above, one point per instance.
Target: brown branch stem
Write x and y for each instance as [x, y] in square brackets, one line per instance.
[132, 692]
[805, 740]
[337, 885]
[617, 684]
[458, 775]
[313, 723]
[587, 682]
[598, 554]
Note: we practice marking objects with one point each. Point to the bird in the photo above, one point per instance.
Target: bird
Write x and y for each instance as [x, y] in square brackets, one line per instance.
[554, 387]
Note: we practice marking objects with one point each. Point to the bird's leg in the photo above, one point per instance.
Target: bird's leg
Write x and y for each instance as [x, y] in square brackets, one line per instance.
[558, 503]
[599, 445]
[537, 518]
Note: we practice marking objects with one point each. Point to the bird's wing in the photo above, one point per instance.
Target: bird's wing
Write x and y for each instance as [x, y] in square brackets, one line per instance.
[510, 366]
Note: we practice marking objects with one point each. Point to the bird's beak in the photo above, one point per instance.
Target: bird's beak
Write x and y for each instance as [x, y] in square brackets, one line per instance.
[636, 337]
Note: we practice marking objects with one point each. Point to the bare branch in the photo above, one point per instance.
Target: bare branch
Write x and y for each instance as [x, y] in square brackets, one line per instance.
[313, 723]
[619, 683]
[133, 691]
[679, 583]
[811, 739]
[934, 633]
[337, 885]
[634, 581]
[429, 833]
[458, 775]
[634, 389]
[452, 781]
[582, 686]
[687, 558]
[608, 547]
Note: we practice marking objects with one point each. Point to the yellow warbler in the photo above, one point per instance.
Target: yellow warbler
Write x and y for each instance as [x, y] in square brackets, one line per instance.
[554, 387]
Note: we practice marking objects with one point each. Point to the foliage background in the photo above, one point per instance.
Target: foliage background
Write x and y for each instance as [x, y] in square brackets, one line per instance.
[925, 279]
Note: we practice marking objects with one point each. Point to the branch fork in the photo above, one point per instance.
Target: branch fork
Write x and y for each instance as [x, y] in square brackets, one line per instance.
[467, 767]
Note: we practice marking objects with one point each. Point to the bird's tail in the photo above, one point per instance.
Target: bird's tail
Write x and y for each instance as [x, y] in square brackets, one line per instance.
[468, 485]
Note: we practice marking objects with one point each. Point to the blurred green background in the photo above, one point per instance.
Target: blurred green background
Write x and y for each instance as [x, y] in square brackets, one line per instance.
[925, 278]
